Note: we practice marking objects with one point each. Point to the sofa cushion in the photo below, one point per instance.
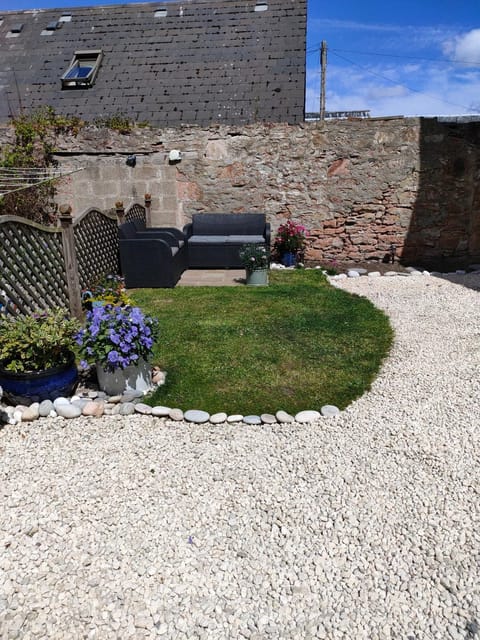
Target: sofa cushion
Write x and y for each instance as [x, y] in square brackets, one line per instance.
[206, 239]
[245, 239]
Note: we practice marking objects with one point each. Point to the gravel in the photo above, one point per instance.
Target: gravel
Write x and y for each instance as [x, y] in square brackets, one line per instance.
[362, 525]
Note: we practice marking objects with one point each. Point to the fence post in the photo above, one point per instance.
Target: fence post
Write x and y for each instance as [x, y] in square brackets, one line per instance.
[148, 204]
[120, 209]
[70, 259]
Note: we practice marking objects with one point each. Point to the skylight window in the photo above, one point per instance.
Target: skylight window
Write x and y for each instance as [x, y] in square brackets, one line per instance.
[261, 6]
[51, 28]
[83, 69]
[67, 17]
[160, 13]
[15, 30]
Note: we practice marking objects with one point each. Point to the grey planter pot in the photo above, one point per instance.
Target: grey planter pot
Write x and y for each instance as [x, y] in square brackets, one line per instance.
[257, 278]
[134, 378]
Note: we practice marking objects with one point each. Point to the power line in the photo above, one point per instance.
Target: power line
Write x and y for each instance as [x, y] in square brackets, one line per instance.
[378, 75]
[473, 63]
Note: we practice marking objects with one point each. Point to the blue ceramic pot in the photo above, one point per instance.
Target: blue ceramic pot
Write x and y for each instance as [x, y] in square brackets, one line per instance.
[39, 385]
[289, 259]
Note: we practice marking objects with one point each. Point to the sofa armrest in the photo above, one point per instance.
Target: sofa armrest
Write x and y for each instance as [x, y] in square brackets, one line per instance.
[267, 234]
[179, 235]
[143, 246]
[188, 230]
[157, 234]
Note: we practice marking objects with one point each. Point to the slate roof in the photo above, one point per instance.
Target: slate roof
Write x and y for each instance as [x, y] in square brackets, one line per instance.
[206, 61]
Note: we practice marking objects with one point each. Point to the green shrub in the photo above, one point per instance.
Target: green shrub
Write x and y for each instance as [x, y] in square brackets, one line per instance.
[37, 342]
[35, 135]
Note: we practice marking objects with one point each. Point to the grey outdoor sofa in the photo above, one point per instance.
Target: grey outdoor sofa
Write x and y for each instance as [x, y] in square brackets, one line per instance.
[214, 239]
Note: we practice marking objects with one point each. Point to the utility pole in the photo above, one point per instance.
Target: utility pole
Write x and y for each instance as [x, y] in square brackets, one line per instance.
[323, 74]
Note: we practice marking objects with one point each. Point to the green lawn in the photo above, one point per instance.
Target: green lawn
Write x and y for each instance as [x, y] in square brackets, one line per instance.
[296, 344]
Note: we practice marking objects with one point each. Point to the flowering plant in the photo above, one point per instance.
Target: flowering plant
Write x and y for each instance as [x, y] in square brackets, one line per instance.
[116, 337]
[254, 256]
[109, 289]
[290, 238]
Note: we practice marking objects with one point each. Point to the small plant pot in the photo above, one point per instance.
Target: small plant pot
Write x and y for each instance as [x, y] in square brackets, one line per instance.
[257, 278]
[35, 386]
[136, 377]
[289, 259]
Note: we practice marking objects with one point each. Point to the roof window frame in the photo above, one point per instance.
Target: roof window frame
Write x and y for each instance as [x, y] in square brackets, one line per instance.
[72, 81]
[53, 25]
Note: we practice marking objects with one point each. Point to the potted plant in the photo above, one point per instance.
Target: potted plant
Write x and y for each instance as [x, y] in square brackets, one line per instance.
[36, 356]
[108, 289]
[119, 341]
[290, 241]
[255, 259]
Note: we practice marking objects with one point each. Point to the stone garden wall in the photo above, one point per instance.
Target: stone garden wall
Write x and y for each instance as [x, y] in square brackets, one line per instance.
[359, 186]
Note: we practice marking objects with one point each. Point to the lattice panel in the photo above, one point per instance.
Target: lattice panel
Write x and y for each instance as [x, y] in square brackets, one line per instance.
[135, 212]
[96, 243]
[32, 269]
[32, 274]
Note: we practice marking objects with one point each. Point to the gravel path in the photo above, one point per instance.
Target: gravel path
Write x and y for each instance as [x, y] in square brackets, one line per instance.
[363, 526]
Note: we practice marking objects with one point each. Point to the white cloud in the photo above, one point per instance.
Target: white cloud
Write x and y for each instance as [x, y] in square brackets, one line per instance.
[382, 75]
[432, 90]
[377, 93]
[319, 23]
[465, 48]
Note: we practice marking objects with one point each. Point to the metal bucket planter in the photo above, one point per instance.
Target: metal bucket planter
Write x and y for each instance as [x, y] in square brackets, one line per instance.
[35, 386]
[257, 278]
[135, 377]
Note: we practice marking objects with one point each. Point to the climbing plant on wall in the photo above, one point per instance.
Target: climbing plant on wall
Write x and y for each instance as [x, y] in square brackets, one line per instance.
[32, 149]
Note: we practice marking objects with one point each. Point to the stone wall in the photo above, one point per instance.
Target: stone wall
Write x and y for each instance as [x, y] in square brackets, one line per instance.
[359, 186]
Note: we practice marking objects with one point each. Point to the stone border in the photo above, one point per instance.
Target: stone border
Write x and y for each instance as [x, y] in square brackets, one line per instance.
[95, 404]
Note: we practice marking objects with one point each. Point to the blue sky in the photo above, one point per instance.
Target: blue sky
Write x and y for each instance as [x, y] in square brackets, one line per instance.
[415, 57]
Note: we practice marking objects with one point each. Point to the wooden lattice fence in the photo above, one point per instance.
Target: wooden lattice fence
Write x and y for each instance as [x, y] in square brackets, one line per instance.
[33, 267]
[96, 245]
